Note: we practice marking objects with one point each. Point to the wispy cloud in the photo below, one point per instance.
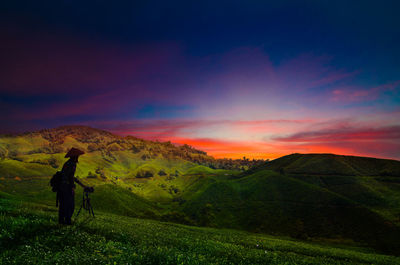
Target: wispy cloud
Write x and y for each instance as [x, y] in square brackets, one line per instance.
[344, 134]
[357, 94]
[153, 128]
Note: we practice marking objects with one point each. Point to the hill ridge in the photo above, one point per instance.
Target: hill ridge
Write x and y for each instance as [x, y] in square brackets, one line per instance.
[333, 164]
[42, 146]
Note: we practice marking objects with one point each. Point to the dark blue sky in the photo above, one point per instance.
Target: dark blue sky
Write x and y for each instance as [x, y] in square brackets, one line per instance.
[365, 32]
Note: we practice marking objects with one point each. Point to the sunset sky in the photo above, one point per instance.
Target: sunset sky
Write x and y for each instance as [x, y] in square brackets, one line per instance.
[234, 78]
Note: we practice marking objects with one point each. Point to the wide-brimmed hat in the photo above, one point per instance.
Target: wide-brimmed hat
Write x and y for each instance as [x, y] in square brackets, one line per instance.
[74, 152]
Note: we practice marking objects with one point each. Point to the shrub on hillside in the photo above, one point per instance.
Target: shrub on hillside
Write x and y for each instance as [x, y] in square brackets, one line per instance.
[173, 190]
[92, 147]
[100, 173]
[53, 162]
[38, 161]
[135, 149]
[12, 154]
[144, 174]
[145, 157]
[162, 173]
[170, 178]
[91, 175]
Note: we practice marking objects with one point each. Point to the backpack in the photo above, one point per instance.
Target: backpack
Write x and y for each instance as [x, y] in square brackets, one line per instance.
[55, 181]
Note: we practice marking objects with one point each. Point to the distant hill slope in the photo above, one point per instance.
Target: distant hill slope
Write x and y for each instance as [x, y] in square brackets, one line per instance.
[330, 164]
[106, 155]
[61, 139]
[317, 195]
[151, 169]
[107, 145]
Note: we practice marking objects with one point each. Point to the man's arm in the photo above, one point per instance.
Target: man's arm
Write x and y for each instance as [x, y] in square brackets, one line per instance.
[79, 182]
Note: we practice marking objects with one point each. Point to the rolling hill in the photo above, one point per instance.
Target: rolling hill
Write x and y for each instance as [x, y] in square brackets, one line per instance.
[347, 199]
[342, 200]
[149, 168]
[330, 164]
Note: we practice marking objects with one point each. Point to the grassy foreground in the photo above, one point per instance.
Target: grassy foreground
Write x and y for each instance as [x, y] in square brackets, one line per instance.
[29, 234]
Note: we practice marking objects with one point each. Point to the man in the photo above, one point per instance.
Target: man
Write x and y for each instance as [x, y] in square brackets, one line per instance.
[66, 191]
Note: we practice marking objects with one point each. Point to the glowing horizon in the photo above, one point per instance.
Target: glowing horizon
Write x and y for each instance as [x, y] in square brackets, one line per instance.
[328, 137]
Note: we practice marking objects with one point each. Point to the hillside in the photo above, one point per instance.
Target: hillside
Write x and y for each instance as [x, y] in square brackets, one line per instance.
[29, 235]
[352, 200]
[149, 168]
[324, 203]
[107, 145]
[93, 141]
[330, 164]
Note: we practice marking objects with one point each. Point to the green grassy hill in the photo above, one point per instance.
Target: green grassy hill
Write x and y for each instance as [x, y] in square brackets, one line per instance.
[149, 168]
[325, 203]
[107, 155]
[271, 203]
[315, 197]
[330, 164]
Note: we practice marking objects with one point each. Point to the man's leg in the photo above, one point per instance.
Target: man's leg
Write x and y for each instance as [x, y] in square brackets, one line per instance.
[61, 208]
[60, 215]
[69, 207]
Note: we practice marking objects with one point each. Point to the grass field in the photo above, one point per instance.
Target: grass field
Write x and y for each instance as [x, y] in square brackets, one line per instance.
[30, 235]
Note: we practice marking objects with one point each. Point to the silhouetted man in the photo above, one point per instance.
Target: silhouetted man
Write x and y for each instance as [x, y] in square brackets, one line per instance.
[66, 191]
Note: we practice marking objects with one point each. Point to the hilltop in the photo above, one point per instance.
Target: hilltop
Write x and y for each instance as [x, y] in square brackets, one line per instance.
[155, 170]
[330, 164]
[59, 140]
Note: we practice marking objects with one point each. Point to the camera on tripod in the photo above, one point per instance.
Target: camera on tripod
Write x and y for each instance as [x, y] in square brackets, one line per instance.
[88, 189]
[86, 205]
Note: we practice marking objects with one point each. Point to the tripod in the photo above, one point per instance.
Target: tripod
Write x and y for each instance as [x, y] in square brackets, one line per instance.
[86, 204]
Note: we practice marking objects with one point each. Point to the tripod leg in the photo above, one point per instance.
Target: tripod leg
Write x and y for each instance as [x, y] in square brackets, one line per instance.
[78, 212]
[89, 206]
[90, 209]
[83, 203]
